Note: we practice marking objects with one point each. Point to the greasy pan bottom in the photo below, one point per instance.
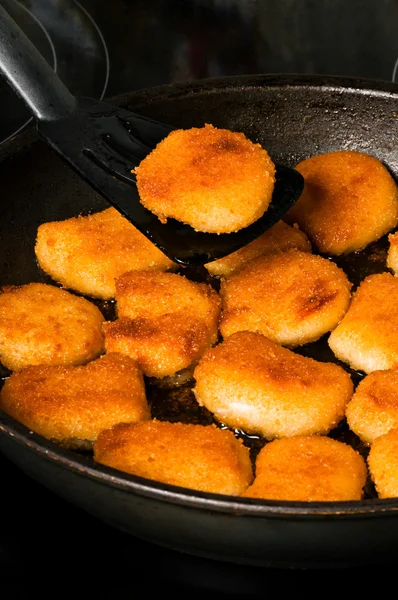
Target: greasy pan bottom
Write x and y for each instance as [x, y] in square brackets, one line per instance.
[293, 117]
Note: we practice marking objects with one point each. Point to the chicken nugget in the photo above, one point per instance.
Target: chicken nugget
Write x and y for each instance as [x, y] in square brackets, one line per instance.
[291, 297]
[165, 321]
[383, 464]
[349, 200]
[215, 180]
[280, 238]
[73, 404]
[87, 254]
[373, 409]
[367, 336]
[42, 324]
[251, 383]
[193, 456]
[311, 468]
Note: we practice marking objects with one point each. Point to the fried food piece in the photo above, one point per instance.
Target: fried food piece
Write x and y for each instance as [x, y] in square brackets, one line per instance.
[373, 409]
[349, 200]
[308, 469]
[251, 383]
[215, 180]
[87, 254]
[293, 297]
[383, 464]
[165, 321]
[280, 238]
[367, 336]
[68, 404]
[193, 456]
[392, 253]
[42, 324]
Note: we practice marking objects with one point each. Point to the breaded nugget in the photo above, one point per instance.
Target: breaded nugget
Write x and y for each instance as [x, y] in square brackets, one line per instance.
[165, 321]
[71, 404]
[251, 383]
[291, 297]
[311, 468]
[383, 464]
[280, 238]
[42, 324]
[87, 254]
[373, 409]
[193, 456]
[213, 179]
[349, 200]
[367, 336]
[392, 253]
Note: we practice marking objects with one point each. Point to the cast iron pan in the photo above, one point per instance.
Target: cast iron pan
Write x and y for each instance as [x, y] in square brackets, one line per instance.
[293, 117]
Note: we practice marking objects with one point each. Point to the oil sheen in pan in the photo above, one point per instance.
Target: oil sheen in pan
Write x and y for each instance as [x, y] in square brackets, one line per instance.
[177, 403]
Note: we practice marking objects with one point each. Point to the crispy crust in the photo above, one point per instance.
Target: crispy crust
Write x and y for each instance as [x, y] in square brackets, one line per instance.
[251, 383]
[42, 324]
[165, 321]
[308, 469]
[349, 200]
[280, 238]
[373, 409]
[194, 456]
[66, 403]
[292, 298]
[367, 336]
[383, 464]
[87, 254]
[213, 179]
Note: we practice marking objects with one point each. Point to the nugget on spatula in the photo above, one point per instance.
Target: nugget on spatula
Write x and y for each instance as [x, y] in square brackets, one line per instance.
[215, 180]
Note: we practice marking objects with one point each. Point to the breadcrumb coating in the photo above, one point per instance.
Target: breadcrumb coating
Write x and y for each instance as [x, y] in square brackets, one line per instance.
[87, 253]
[70, 403]
[215, 180]
[349, 200]
[367, 336]
[43, 324]
[251, 383]
[373, 409]
[308, 469]
[383, 464]
[292, 297]
[165, 321]
[280, 238]
[193, 456]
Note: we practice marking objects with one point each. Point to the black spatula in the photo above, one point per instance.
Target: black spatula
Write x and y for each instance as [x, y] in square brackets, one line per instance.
[103, 143]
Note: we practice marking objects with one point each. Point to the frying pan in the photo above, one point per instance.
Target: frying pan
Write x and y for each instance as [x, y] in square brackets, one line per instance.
[293, 117]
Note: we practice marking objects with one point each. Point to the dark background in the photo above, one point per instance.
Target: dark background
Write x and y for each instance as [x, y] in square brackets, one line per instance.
[46, 544]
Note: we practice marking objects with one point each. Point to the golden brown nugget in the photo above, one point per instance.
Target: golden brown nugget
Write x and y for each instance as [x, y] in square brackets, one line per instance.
[71, 404]
[193, 456]
[213, 179]
[383, 464]
[251, 383]
[308, 469]
[87, 254]
[165, 321]
[42, 324]
[349, 200]
[373, 409]
[367, 336]
[291, 297]
[280, 238]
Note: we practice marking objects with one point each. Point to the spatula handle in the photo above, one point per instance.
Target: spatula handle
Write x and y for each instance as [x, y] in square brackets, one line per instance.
[30, 75]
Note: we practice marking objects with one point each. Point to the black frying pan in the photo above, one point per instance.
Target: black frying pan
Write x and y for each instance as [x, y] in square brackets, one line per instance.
[293, 117]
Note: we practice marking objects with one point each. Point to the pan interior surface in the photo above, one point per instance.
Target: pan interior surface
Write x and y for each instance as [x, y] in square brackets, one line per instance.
[294, 118]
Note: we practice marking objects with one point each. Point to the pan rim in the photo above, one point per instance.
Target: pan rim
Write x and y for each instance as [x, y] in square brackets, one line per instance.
[252, 507]
[236, 505]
